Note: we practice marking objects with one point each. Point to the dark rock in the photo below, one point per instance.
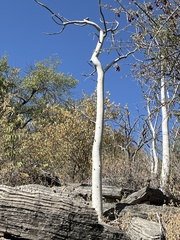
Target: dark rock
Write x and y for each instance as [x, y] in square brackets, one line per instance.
[148, 195]
[48, 179]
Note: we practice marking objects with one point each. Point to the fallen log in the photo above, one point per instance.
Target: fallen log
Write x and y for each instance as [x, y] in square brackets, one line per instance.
[35, 212]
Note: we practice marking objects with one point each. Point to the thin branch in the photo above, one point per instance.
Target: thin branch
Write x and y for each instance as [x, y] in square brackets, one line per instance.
[118, 59]
[103, 18]
[26, 123]
[54, 14]
[90, 74]
[67, 22]
[170, 16]
[145, 12]
[24, 101]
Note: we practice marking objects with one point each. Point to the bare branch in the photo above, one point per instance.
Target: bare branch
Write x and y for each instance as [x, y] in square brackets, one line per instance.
[118, 59]
[53, 14]
[145, 12]
[90, 74]
[64, 22]
[103, 18]
[160, 28]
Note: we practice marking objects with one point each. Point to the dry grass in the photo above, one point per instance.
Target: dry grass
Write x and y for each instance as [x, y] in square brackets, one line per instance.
[168, 216]
[171, 223]
[172, 226]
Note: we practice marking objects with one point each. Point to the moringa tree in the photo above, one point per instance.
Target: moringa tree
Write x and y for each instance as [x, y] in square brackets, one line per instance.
[104, 30]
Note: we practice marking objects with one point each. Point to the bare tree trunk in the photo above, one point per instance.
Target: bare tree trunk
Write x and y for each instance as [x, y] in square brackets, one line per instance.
[154, 157]
[97, 144]
[154, 165]
[165, 137]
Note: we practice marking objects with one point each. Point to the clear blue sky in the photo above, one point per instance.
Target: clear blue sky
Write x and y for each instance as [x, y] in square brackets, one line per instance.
[22, 27]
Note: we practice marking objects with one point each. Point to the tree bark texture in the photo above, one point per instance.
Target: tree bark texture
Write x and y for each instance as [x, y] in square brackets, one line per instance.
[165, 137]
[154, 157]
[97, 144]
[154, 164]
[37, 212]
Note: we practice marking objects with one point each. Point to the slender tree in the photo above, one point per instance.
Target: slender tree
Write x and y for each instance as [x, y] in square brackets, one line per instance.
[103, 30]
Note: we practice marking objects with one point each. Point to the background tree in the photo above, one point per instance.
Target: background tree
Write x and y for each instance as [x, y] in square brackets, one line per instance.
[25, 98]
[42, 85]
[158, 36]
[61, 144]
[126, 149]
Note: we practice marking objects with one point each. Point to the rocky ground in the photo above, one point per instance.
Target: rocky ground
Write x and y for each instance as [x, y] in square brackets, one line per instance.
[65, 212]
[124, 208]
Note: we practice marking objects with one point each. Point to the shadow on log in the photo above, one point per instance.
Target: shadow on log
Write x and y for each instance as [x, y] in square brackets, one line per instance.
[37, 212]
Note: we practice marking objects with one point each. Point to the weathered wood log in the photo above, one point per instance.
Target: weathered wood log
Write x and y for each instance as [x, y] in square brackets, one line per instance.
[109, 193]
[112, 193]
[147, 194]
[141, 229]
[37, 212]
